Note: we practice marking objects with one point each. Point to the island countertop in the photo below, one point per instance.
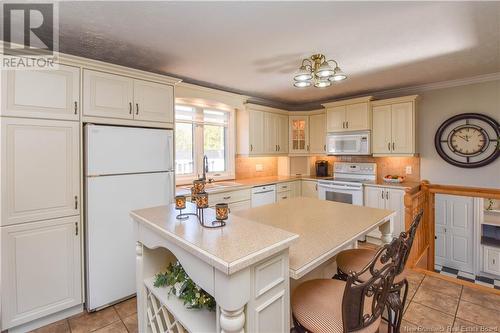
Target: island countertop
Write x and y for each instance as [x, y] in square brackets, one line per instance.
[239, 244]
[313, 229]
[324, 227]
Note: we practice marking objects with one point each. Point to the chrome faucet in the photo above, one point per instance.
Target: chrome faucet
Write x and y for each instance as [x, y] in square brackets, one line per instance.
[205, 167]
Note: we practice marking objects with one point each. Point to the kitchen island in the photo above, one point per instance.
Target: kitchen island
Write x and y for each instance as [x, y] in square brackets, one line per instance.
[247, 265]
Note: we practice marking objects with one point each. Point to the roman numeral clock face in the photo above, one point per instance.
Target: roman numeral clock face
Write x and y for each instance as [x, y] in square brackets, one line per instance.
[468, 140]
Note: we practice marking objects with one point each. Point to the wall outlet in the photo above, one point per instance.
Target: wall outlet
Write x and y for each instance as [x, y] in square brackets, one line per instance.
[259, 167]
[408, 170]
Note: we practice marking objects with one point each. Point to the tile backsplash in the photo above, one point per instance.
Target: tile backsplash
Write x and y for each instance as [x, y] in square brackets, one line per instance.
[385, 165]
[246, 167]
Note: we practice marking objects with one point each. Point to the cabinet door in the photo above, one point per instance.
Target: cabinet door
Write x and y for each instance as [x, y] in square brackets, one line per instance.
[317, 133]
[236, 206]
[381, 132]
[357, 117]
[107, 95]
[491, 261]
[283, 134]
[299, 134]
[374, 198]
[256, 119]
[51, 94]
[335, 119]
[153, 101]
[395, 201]
[40, 169]
[271, 128]
[310, 189]
[41, 269]
[402, 128]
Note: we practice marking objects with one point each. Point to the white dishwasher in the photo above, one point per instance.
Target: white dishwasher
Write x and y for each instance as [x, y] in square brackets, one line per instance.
[263, 195]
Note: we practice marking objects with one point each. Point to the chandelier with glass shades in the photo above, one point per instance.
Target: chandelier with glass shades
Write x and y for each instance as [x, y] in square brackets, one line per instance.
[319, 72]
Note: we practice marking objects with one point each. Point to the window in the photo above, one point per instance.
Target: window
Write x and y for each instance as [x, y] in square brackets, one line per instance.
[203, 132]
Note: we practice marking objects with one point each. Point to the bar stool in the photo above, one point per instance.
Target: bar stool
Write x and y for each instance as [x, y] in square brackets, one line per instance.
[355, 259]
[335, 306]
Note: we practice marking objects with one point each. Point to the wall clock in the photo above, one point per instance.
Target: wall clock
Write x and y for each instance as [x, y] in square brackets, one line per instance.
[468, 140]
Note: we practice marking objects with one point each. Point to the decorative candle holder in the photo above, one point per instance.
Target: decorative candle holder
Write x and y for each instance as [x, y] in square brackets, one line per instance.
[201, 204]
[199, 185]
[221, 214]
[180, 204]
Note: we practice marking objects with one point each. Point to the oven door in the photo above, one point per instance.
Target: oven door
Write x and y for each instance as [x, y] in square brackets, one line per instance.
[348, 144]
[341, 193]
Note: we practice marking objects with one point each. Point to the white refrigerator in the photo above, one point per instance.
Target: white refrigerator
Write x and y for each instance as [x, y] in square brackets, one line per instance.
[126, 168]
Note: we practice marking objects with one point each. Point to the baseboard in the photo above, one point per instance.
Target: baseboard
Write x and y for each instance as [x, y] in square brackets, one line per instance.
[33, 325]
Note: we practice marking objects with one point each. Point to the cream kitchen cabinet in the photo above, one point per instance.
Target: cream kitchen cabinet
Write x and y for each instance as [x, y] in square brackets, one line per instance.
[386, 198]
[309, 188]
[348, 115]
[491, 260]
[275, 133]
[394, 127]
[40, 169]
[153, 101]
[317, 133]
[49, 94]
[299, 135]
[261, 131]
[287, 190]
[41, 269]
[115, 96]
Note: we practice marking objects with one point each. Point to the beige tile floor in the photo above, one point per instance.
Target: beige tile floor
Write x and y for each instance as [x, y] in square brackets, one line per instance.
[121, 318]
[441, 306]
[434, 305]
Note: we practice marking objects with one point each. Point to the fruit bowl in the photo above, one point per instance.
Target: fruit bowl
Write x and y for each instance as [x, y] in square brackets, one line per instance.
[394, 179]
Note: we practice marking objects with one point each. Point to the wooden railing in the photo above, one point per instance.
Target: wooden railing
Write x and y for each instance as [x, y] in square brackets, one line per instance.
[422, 254]
[415, 202]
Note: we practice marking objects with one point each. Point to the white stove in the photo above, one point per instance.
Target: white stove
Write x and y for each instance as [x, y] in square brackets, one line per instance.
[347, 183]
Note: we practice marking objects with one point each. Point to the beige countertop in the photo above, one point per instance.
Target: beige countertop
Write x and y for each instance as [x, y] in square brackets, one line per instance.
[238, 184]
[324, 227]
[239, 244]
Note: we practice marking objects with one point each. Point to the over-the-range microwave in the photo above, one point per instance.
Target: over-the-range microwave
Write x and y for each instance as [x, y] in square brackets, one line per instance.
[352, 143]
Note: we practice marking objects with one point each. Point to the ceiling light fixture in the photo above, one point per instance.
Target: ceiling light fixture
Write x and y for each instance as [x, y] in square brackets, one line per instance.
[318, 72]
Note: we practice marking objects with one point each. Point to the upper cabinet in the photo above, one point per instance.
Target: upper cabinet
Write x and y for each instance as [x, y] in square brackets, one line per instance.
[115, 96]
[394, 126]
[317, 133]
[153, 101]
[49, 94]
[299, 135]
[262, 131]
[348, 115]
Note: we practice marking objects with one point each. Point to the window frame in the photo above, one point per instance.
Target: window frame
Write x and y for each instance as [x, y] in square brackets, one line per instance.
[198, 124]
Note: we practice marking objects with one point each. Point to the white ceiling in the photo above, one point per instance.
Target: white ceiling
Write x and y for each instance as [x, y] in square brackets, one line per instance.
[254, 47]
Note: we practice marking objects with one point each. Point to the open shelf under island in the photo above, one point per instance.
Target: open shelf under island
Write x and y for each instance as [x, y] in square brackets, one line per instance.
[251, 265]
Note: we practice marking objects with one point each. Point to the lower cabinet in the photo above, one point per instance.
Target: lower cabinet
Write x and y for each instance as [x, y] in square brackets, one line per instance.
[386, 198]
[287, 190]
[309, 188]
[241, 205]
[41, 269]
[491, 260]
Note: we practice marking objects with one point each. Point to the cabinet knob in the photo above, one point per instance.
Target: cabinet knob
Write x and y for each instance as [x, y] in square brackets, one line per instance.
[226, 198]
[388, 146]
[76, 107]
[251, 147]
[136, 108]
[76, 202]
[346, 124]
[393, 146]
[130, 107]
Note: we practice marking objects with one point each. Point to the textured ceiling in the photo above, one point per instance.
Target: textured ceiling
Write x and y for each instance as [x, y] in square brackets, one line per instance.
[254, 47]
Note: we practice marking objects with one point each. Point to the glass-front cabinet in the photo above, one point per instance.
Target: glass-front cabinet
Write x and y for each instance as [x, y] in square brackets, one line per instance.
[299, 135]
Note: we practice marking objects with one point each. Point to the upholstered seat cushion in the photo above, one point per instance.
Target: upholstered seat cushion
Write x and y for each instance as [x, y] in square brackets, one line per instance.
[354, 260]
[317, 306]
